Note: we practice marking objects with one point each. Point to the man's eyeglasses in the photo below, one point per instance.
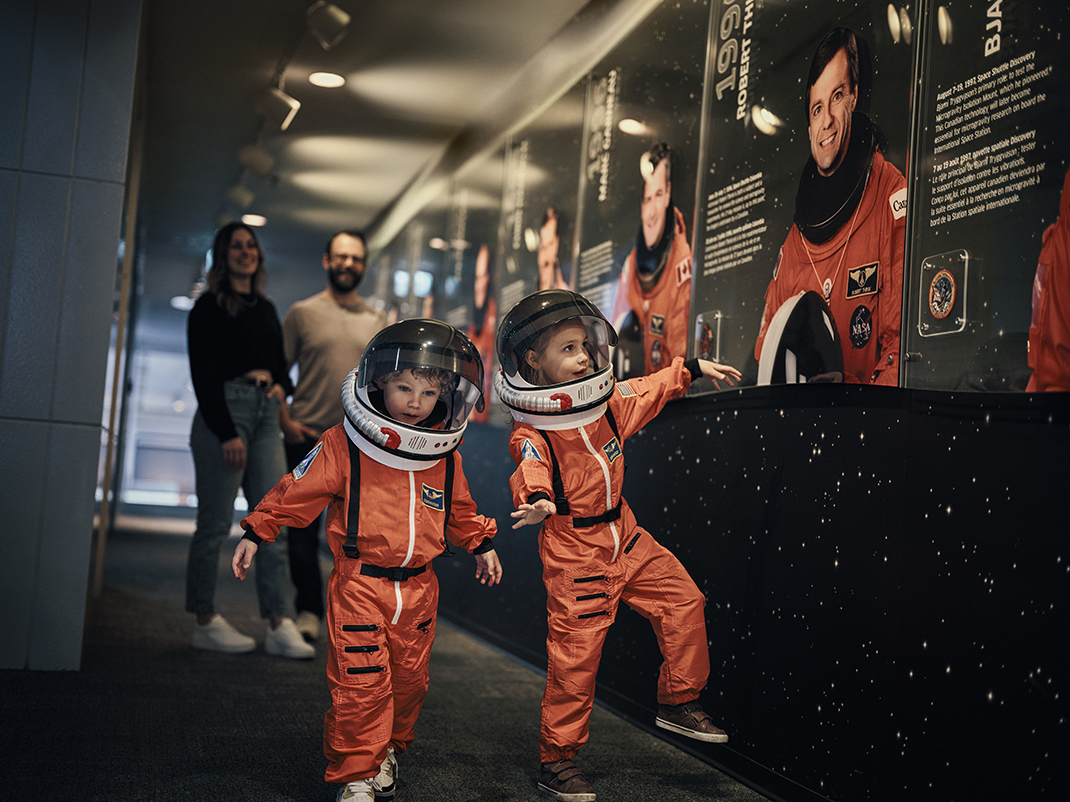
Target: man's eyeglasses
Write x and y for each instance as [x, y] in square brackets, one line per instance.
[341, 259]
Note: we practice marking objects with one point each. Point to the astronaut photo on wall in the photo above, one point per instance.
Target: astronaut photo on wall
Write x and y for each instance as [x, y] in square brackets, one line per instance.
[847, 241]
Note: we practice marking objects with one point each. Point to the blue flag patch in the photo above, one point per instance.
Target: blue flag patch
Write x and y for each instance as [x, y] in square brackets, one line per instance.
[304, 464]
[529, 452]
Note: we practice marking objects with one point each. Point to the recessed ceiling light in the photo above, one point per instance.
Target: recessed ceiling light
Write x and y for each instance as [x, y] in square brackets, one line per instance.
[253, 219]
[330, 80]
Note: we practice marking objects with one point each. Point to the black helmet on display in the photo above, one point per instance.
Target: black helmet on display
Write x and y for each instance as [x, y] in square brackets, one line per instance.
[556, 405]
[801, 344]
[415, 345]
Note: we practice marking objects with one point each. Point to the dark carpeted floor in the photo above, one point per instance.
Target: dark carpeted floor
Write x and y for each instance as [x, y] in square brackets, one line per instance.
[150, 719]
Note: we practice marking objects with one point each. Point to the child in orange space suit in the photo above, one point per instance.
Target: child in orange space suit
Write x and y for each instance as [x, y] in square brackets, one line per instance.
[570, 419]
[406, 407]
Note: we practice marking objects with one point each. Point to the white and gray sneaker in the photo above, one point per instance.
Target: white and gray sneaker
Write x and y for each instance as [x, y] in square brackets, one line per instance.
[286, 641]
[219, 636]
[385, 783]
[359, 791]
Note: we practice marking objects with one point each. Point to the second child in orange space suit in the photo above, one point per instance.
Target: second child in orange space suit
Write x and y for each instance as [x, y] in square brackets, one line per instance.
[395, 491]
[570, 420]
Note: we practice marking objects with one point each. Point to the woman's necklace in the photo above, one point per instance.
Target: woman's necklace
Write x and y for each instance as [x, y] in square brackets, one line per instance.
[826, 285]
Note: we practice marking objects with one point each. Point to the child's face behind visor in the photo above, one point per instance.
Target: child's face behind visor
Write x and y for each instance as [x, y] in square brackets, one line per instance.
[410, 399]
[565, 357]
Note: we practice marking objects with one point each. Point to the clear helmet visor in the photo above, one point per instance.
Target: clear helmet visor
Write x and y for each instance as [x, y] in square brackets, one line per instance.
[552, 359]
[434, 353]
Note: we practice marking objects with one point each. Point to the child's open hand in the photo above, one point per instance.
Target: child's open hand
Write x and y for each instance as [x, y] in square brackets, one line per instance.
[488, 568]
[533, 513]
[714, 371]
[243, 558]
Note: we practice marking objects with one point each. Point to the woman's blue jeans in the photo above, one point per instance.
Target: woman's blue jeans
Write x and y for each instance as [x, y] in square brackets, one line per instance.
[256, 418]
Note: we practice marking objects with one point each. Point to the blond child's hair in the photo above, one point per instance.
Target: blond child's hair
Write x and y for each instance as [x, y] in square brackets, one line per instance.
[534, 376]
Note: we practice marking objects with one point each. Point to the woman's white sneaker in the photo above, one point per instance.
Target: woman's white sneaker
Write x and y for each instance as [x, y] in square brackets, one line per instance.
[219, 636]
[385, 783]
[286, 641]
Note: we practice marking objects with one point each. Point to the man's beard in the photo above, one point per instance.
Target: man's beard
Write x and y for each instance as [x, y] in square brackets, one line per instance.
[344, 280]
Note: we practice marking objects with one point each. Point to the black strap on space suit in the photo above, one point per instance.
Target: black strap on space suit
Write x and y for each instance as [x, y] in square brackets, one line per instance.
[561, 502]
[353, 519]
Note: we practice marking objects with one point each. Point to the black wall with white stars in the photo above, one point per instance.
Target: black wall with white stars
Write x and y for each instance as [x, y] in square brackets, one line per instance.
[888, 582]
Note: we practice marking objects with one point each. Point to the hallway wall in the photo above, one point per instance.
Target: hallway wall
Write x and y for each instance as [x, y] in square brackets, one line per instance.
[886, 580]
[67, 98]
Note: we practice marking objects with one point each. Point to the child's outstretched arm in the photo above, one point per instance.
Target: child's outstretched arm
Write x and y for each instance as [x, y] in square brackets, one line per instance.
[488, 568]
[533, 513]
[243, 557]
[714, 371]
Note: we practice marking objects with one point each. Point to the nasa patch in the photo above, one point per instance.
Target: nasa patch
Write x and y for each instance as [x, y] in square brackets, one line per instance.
[304, 464]
[861, 326]
[655, 354]
[433, 499]
[942, 293]
[863, 280]
[612, 450]
[528, 451]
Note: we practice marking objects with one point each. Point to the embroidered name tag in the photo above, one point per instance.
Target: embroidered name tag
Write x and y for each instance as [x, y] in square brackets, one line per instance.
[898, 202]
[863, 280]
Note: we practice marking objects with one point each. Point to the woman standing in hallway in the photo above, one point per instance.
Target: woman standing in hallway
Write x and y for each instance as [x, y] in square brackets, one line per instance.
[239, 377]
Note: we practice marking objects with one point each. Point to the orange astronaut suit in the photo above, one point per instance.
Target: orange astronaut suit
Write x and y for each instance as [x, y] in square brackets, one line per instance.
[381, 628]
[1049, 331]
[663, 310]
[863, 263]
[589, 567]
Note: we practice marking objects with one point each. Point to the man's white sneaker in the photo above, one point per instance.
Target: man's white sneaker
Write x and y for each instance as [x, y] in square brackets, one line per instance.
[286, 641]
[219, 636]
[359, 791]
[308, 624]
[385, 783]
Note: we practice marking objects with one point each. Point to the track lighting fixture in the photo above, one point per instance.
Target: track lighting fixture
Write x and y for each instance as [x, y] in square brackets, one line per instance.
[328, 23]
[277, 106]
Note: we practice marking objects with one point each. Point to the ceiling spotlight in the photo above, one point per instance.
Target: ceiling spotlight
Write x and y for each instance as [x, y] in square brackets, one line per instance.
[633, 127]
[241, 196]
[328, 23]
[256, 159]
[905, 25]
[328, 80]
[277, 106]
[253, 219]
[765, 121]
[893, 23]
[943, 19]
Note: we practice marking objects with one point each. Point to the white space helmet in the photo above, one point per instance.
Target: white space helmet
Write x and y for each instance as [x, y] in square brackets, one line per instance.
[801, 344]
[408, 345]
[560, 406]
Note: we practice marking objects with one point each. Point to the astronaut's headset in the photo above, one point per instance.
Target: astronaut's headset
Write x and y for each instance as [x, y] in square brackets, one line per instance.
[407, 345]
[560, 405]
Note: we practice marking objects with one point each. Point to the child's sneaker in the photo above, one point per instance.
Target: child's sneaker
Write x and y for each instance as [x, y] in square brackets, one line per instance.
[286, 641]
[691, 720]
[385, 783]
[359, 791]
[562, 780]
[218, 635]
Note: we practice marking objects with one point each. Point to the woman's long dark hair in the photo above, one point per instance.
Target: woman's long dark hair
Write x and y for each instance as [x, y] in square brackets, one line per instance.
[218, 277]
